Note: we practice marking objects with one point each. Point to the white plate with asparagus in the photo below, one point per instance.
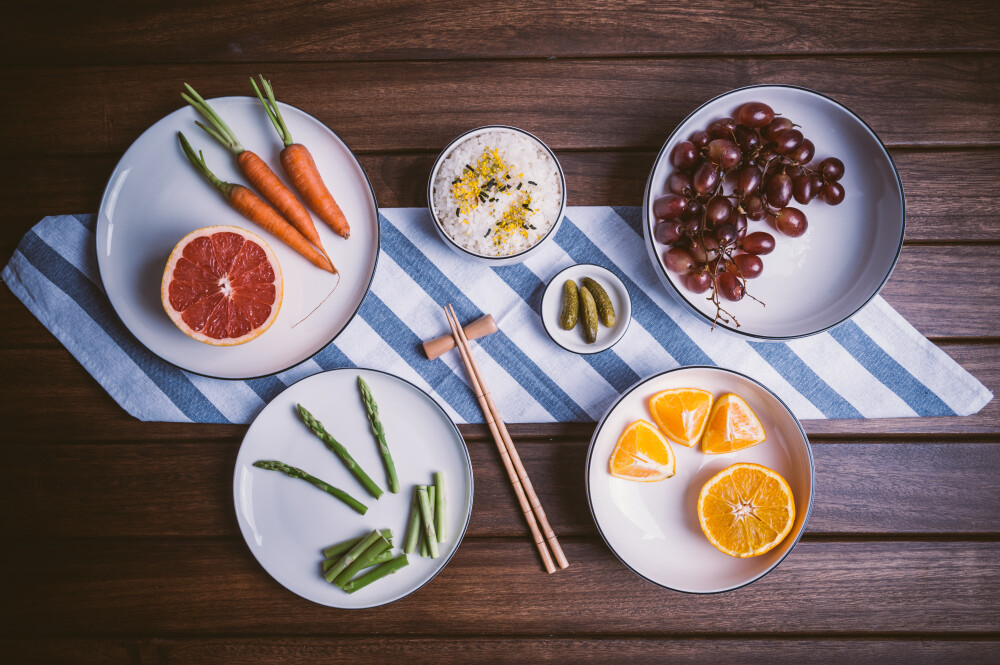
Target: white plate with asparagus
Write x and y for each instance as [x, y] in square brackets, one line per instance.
[314, 482]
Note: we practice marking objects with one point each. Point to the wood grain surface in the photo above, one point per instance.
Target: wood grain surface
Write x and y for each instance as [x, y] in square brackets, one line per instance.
[120, 541]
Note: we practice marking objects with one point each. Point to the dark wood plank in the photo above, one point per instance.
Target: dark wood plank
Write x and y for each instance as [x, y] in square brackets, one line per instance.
[74, 184]
[213, 587]
[74, 402]
[570, 104]
[735, 651]
[184, 489]
[69, 650]
[228, 30]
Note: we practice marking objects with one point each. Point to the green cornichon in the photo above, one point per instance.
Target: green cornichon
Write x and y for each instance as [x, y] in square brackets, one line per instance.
[570, 306]
[588, 315]
[605, 310]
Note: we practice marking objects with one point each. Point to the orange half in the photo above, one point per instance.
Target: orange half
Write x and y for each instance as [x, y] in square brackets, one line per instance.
[643, 454]
[746, 510]
[681, 413]
[732, 426]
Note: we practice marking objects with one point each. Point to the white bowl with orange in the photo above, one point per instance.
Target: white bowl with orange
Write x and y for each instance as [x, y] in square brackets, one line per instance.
[700, 479]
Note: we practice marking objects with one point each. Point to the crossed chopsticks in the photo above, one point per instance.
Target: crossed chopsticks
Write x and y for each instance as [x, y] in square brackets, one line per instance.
[526, 497]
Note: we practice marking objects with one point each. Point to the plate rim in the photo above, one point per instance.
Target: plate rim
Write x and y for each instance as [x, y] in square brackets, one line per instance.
[664, 277]
[468, 463]
[545, 325]
[350, 319]
[633, 388]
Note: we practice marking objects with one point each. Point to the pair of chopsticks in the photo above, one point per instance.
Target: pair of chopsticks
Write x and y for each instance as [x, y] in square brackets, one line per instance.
[526, 496]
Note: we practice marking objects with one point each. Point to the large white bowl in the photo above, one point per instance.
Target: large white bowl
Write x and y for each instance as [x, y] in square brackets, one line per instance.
[822, 278]
[494, 260]
[653, 527]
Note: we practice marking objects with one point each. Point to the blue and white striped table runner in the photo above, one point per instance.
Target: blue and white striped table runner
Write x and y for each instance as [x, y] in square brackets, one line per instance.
[873, 366]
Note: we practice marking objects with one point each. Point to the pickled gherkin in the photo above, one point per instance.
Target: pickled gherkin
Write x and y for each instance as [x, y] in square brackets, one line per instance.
[588, 315]
[605, 309]
[570, 306]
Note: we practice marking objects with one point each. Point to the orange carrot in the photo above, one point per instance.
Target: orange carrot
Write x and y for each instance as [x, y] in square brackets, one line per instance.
[256, 170]
[258, 211]
[301, 168]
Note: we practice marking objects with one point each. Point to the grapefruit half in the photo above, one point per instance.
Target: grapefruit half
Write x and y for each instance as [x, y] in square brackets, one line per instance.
[222, 285]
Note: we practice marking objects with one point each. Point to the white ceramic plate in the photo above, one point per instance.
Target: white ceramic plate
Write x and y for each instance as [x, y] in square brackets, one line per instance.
[653, 527]
[824, 277]
[572, 340]
[155, 197]
[287, 522]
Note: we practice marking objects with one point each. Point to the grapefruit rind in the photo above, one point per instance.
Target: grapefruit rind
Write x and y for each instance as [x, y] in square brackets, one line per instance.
[175, 315]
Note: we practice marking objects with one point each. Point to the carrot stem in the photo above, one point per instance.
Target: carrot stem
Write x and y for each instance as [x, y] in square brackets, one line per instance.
[223, 134]
[271, 107]
[199, 162]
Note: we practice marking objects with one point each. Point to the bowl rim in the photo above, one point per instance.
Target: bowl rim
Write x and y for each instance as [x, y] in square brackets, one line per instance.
[665, 277]
[437, 165]
[805, 440]
[618, 338]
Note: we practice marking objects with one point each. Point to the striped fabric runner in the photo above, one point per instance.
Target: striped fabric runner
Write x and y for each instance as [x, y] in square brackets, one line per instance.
[874, 366]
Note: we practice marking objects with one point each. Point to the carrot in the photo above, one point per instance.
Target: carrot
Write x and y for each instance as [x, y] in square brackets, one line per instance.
[256, 170]
[301, 168]
[257, 210]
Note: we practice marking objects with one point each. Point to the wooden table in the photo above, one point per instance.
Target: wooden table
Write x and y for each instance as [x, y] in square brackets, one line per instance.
[119, 539]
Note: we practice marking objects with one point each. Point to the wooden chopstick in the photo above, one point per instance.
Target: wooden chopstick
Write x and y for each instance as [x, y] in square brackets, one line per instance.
[512, 474]
[508, 445]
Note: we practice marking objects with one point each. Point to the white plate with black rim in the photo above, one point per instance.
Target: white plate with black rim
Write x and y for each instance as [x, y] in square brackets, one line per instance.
[287, 522]
[155, 197]
[653, 527]
[573, 340]
[822, 278]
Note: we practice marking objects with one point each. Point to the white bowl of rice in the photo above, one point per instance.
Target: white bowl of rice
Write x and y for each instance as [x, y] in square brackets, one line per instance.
[496, 194]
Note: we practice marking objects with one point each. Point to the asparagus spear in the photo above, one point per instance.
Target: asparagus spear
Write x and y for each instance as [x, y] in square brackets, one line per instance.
[376, 574]
[383, 448]
[413, 528]
[439, 505]
[339, 450]
[363, 561]
[351, 555]
[425, 512]
[293, 472]
[381, 558]
[341, 547]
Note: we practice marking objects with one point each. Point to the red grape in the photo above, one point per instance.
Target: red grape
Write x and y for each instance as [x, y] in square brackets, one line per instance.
[718, 209]
[730, 286]
[700, 138]
[802, 189]
[677, 182]
[779, 190]
[832, 168]
[791, 221]
[724, 153]
[754, 208]
[788, 141]
[747, 139]
[722, 128]
[705, 178]
[669, 206]
[684, 155]
[759, 242]
[833, 193]
[804, 152]
[779, 124]
[749, 265]
[698, 251]
[699, 282]
[755, 114]
[667, 232]
[678, 260]
[747, 179]
[725, 233]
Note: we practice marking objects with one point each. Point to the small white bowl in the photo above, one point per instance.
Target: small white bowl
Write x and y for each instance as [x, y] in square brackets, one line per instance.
[653, 527]
[572, 340]
[494, 260]
[821, 279]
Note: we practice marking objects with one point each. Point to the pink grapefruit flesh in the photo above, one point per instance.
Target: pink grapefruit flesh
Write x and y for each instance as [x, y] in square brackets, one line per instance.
[222, 285]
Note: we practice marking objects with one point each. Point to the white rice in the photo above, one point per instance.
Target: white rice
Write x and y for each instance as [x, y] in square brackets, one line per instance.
[520, 207]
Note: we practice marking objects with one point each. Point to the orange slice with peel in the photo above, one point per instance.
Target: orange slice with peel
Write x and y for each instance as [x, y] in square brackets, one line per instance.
[681, 413]
[746, 510]
[732, 426]
[643, 454]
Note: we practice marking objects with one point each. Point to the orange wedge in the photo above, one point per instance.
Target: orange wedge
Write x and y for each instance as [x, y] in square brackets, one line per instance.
[642, 453]
[732, 426]
[746, 510]
[681, 413]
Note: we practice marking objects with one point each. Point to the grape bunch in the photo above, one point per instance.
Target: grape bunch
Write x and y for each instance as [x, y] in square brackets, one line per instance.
[748, 168]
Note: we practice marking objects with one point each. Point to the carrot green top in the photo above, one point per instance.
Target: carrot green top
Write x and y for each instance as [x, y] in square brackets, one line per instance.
[271, 106]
